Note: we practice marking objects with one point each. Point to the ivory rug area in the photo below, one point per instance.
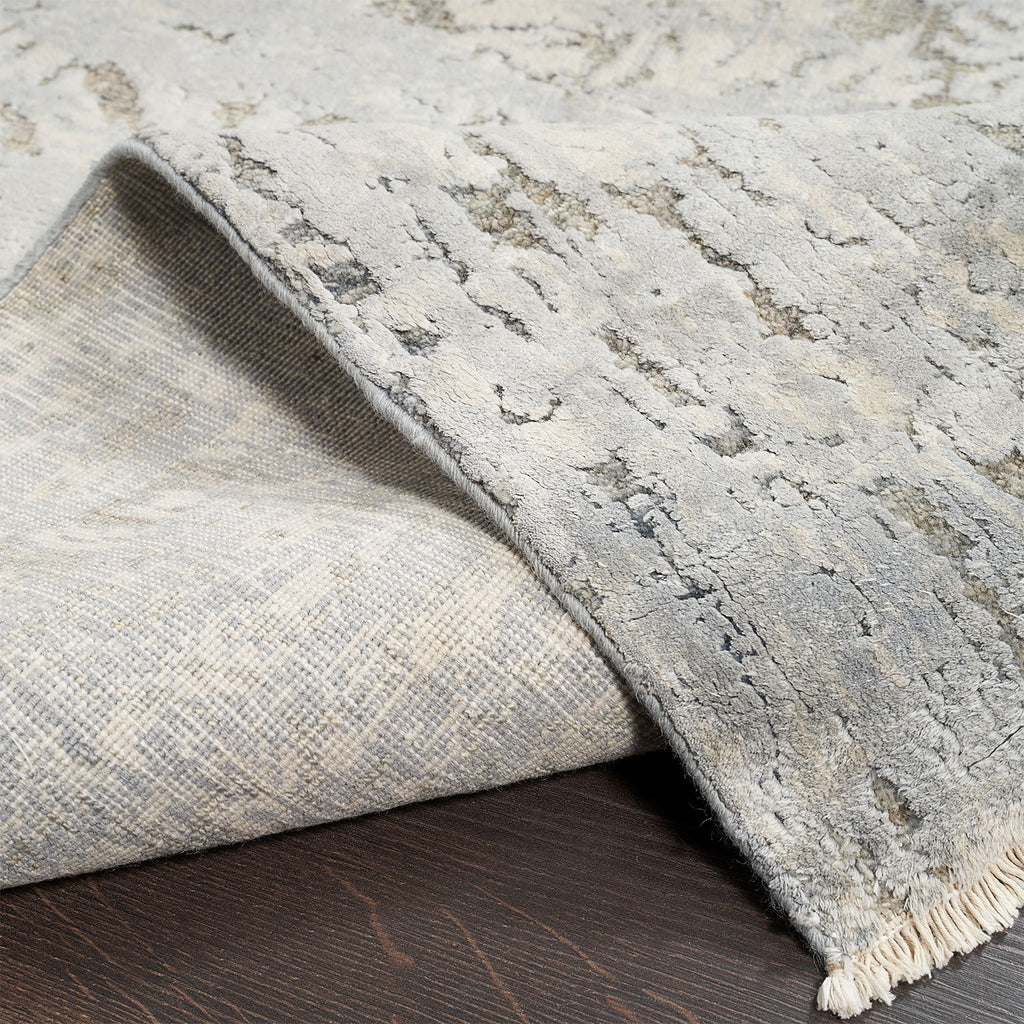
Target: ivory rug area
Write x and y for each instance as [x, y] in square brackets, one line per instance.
[417, 397]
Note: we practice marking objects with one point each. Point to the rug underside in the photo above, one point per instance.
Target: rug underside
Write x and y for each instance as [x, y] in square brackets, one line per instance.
[358, 458]
[235, 600]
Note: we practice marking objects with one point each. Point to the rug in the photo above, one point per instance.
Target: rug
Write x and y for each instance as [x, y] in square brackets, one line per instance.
[431, 395]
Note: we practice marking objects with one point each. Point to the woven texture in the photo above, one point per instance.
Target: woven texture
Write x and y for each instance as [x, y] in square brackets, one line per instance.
[714, 311]
[236, 601]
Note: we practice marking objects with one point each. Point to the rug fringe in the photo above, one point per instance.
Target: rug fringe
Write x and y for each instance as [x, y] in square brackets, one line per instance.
[925, 942]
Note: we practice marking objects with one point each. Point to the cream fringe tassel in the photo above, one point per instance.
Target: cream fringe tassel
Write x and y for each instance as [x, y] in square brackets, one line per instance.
[963, 920]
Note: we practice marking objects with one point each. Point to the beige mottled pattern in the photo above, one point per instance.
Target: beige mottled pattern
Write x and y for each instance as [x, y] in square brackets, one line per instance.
[753, 391]
[233, 600]
[76, 77]
[714, 307]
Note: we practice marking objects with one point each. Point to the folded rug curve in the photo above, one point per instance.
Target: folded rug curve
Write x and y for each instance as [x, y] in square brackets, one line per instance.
[747, 394]
[235, 600]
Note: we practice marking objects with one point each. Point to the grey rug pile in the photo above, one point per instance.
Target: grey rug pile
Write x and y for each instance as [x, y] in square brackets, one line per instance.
[419, 396]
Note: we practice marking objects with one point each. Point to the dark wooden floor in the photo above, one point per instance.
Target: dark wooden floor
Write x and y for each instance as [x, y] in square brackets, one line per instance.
[600, 896]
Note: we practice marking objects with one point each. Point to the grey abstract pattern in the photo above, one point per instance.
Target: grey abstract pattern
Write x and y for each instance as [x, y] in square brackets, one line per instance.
[716, 312]
[76, 78]
[776, 462]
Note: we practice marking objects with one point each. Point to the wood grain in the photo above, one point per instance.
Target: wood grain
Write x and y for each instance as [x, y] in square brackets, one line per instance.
[599, 896]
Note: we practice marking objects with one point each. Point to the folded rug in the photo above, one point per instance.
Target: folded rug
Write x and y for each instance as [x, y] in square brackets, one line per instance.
[740, 381]
[235, 600]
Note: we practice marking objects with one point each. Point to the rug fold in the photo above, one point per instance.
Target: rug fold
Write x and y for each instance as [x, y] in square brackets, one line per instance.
[734, 430]
[235, 600]
[713, 419]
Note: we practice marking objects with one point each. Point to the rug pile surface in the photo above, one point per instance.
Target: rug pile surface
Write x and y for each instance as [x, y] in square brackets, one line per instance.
[414, 397]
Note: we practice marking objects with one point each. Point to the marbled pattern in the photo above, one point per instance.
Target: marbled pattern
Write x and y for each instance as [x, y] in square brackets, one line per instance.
[745, 430]
[717, 308]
